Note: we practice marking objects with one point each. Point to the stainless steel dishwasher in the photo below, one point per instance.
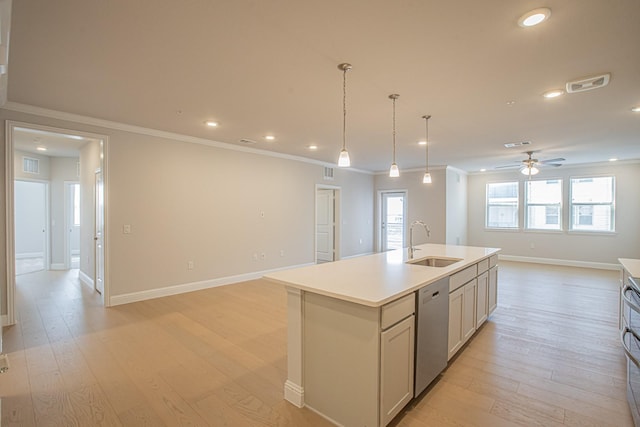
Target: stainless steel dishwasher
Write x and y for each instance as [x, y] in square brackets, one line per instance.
[432, 333]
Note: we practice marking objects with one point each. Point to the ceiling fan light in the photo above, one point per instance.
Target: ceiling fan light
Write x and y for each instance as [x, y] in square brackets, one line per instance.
[393, 171]
[426, 179]
[529, 170]
[343, 160]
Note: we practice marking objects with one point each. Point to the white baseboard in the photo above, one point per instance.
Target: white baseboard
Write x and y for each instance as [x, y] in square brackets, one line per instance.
[24, 255]
[564, 262]
[190, 287]
[294, 394]
[57, 266]
[84, 278]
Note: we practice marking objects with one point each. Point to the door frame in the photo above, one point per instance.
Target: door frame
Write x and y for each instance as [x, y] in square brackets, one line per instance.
[337, 220]
[10, 125]
[68, 222]
[47, 221]
[378, 233]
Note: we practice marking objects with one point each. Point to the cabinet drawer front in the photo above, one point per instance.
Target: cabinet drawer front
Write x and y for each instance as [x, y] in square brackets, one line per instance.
[462, 277]
[483, 265]
[397, 310]
[493, 260]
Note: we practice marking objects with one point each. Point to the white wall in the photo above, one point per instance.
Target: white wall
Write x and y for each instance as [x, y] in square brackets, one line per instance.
[426, 202]
[456, 200]
[62, 169]
[564, 245]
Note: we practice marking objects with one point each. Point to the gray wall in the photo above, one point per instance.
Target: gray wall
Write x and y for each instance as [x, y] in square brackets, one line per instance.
[564, 245]
[192, 202]
[456, 201]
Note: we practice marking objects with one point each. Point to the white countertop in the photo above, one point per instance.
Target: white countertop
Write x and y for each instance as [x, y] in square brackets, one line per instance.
[631, 265]
[377, 279]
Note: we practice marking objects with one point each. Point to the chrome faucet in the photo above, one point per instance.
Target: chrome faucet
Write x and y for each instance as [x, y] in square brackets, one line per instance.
[426, 228]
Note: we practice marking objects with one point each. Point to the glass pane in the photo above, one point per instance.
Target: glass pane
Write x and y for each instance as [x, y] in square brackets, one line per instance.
[543, 217]
[395, 222]
[544, 192]
[502, 216]
[592, 217]
[592, 190]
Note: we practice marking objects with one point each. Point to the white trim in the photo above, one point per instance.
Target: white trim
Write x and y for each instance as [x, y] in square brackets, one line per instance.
[58, 266]
[4, 320]
[85, 278]
[44, 112]
[30, 255]
[190, 287]
[294, 393]
[331, 420]
[564, 262]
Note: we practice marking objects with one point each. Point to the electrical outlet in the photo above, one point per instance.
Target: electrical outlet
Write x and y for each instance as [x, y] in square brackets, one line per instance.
[126, 229]
[189, 265]
[281, 252]
[532, 245]
[261, 214]
[263, 256]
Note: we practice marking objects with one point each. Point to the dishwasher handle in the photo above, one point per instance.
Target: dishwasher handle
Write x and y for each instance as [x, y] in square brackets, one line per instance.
[628, 300]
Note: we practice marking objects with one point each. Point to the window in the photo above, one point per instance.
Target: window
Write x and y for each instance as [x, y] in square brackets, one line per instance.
[502, 205]
[543, 204]
[593, 204]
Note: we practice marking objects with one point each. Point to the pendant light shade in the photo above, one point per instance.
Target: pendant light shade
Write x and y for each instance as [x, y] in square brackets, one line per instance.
[343, 160]
[426, 179]
[393, 170]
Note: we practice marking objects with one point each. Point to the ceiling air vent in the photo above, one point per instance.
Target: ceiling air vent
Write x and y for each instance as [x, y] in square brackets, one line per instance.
[247, 141]
[517, 144]
[588, 83]
[31, 165]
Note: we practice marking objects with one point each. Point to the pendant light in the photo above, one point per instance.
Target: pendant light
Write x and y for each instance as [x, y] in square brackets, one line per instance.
[426, 179]
[393, 171]
[343, 160]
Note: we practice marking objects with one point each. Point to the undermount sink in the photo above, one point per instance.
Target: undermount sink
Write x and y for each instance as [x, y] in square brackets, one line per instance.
[434, 261]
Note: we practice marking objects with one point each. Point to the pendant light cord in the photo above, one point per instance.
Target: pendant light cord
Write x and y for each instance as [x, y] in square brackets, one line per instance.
[426, 121]
[393, 97]
[344, 108]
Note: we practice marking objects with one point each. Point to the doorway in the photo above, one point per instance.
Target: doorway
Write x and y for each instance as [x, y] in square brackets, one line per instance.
[31, 211]
[58, 143]
[327, 229]
[393, 218]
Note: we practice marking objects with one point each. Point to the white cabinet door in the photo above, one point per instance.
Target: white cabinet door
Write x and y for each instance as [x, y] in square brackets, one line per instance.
[456, 307]
[482, 306]
[493, 289]
[396, 369]
[469, 311]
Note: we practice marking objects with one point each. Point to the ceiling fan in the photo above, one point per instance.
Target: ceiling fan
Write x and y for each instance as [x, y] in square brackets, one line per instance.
[530, 165]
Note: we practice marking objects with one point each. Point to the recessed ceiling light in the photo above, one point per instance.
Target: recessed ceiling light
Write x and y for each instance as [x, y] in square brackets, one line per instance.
[313, 147]
[41, 148]
[422, 142]
[613, 159]
[510, 103]
[211, 123]
[553, 93]
[269, 137]
[534, 17]
[483, 170]
[636, 109]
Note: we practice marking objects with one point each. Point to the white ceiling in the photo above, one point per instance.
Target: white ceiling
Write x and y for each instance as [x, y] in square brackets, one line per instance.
[56, 144]
[261, 67]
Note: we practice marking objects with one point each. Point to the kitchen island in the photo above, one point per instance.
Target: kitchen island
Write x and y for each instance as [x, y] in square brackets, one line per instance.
[351, 326]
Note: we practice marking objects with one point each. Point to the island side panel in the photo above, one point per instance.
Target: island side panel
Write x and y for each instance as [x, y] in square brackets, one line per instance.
[294, 386]
[341, 360]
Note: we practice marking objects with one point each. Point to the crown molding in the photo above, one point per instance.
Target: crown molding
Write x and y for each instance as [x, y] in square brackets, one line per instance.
[108, 124]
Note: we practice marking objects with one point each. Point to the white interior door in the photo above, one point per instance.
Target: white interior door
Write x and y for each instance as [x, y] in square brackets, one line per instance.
[99, 234]
[393, 220]
[30, 213]
[325, 225]
[72, 224]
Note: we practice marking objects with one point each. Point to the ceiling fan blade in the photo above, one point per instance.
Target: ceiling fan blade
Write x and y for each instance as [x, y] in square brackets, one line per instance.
[508, 167]
[544, 162]
[553, 164]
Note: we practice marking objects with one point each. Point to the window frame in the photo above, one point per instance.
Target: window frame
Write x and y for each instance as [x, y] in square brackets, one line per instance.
[558, 205]
[612, 204]
[488, 205]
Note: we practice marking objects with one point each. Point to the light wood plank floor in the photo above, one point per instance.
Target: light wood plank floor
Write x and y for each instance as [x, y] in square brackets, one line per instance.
[548, 356]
